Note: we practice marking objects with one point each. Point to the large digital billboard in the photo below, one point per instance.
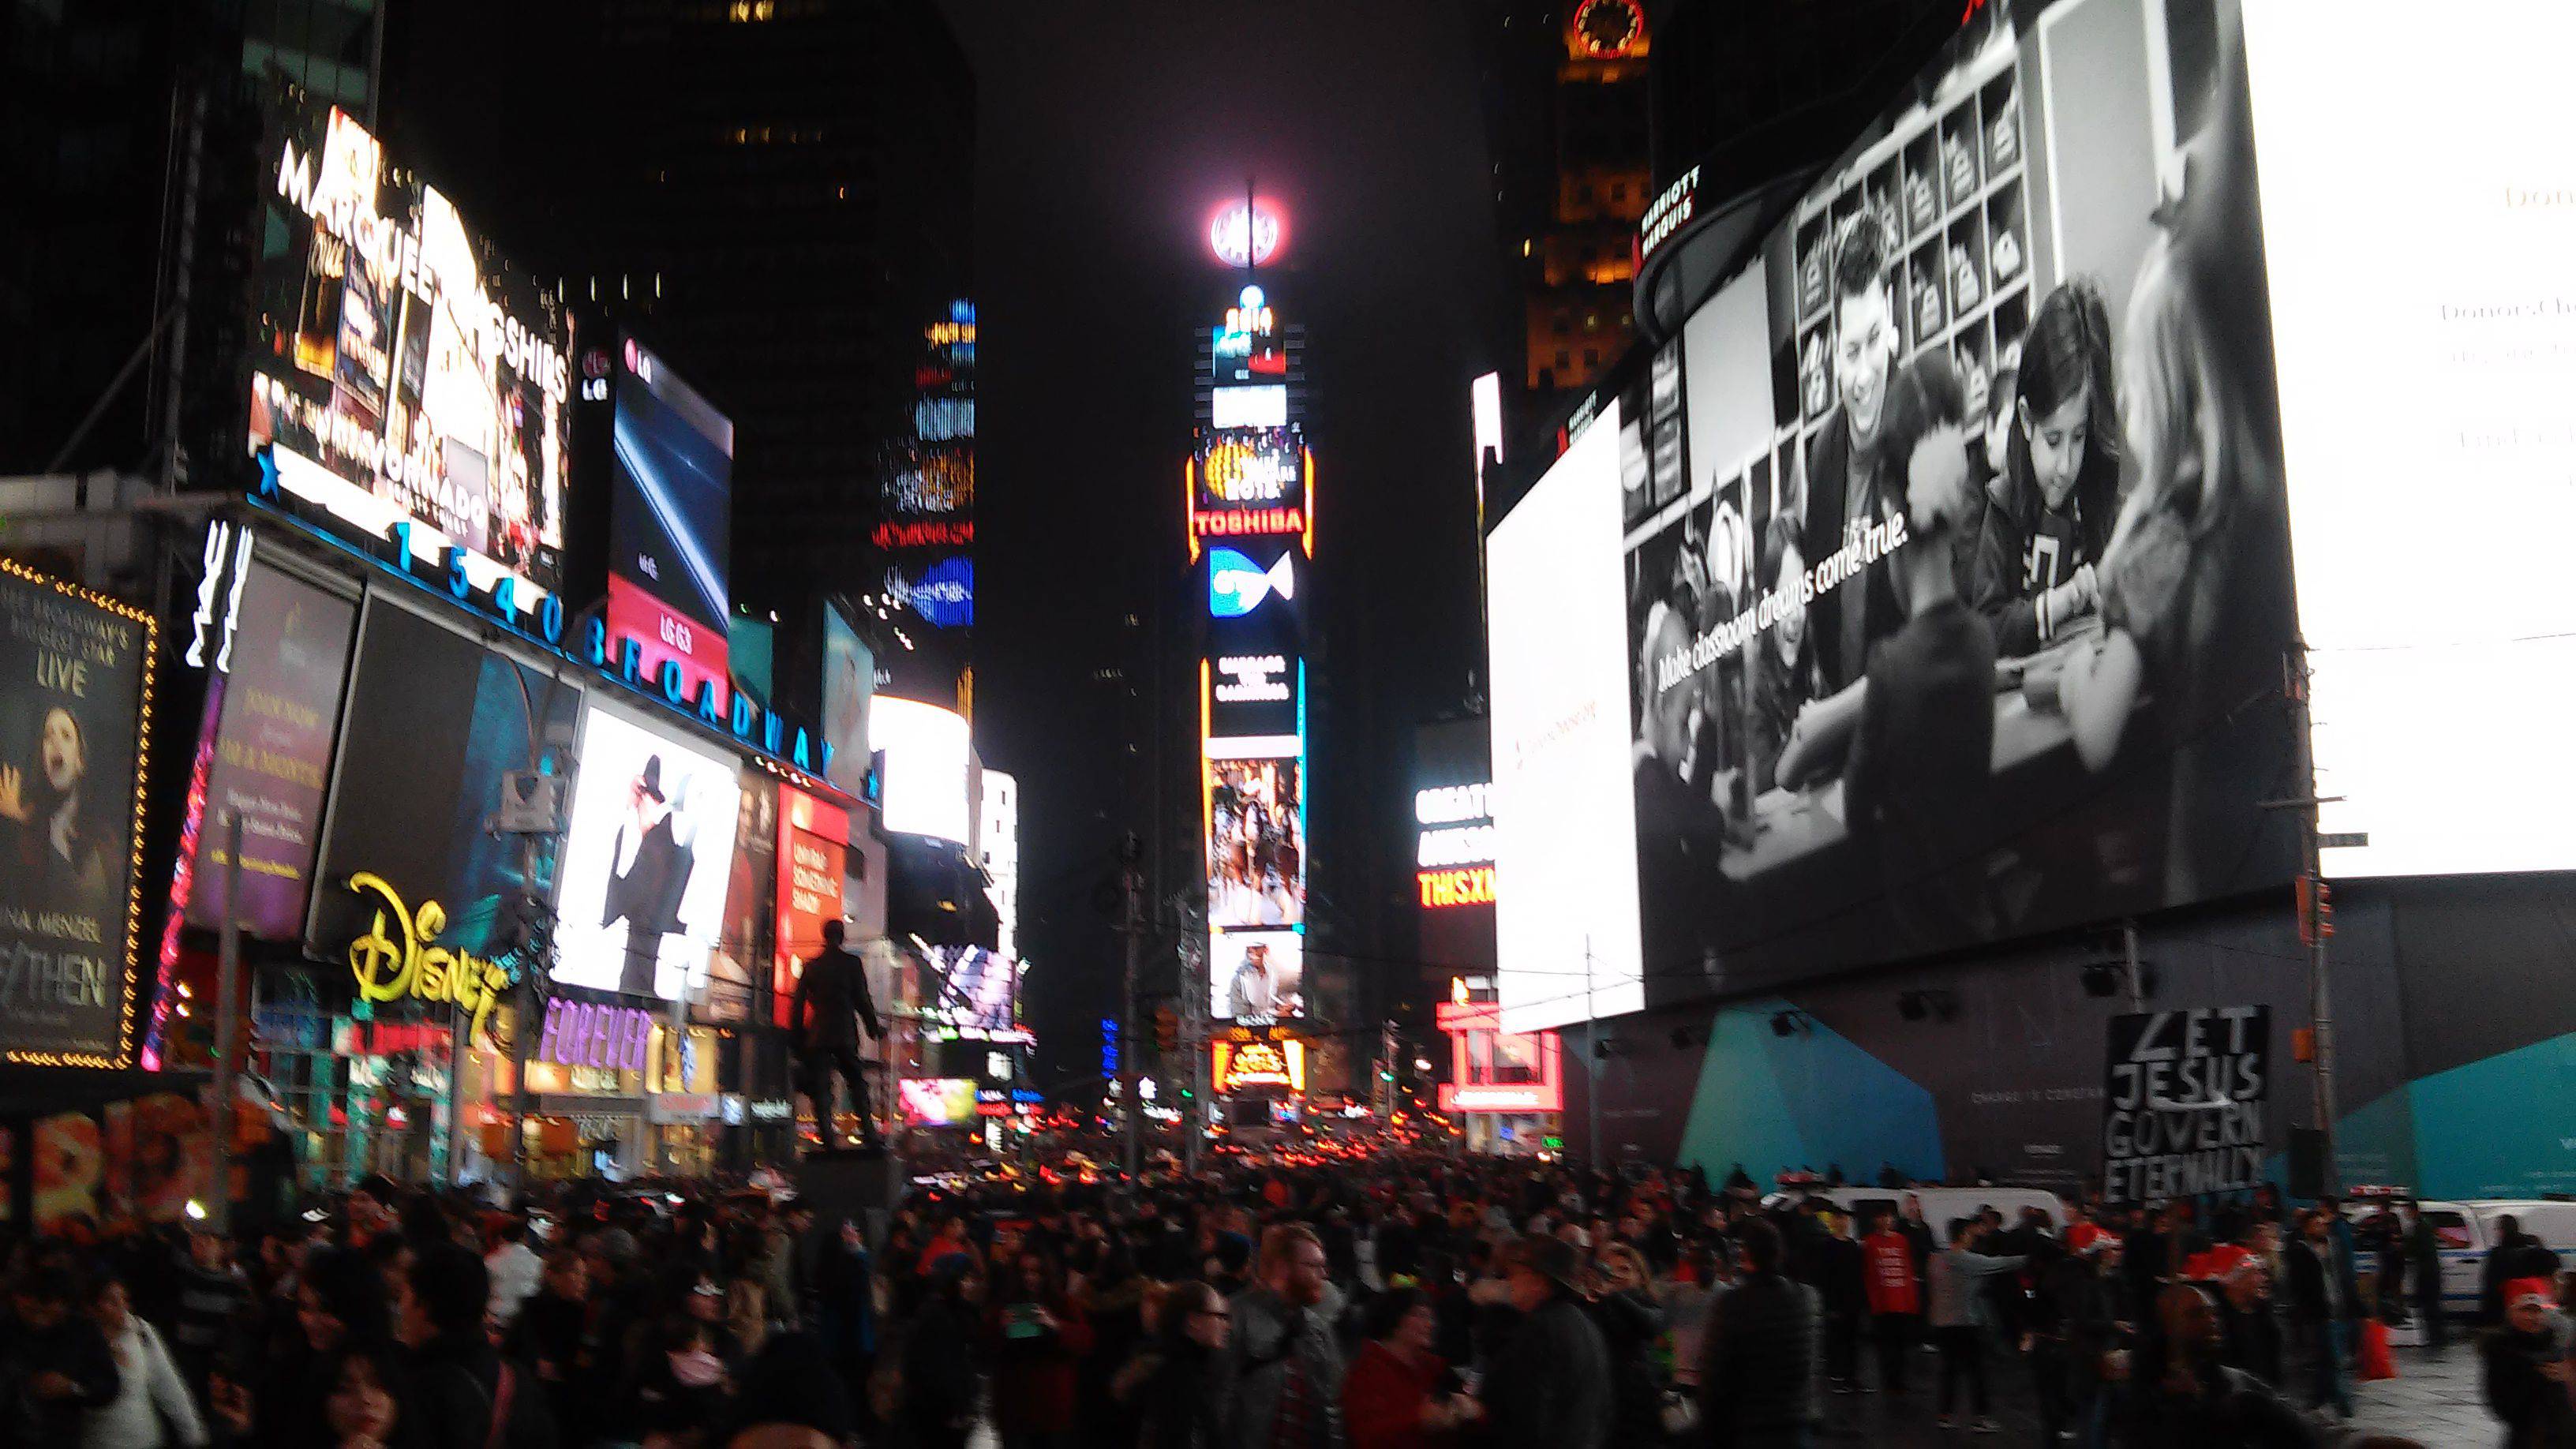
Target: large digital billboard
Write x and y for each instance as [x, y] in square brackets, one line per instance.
[414, 806]
[849, 683]
[928, 758]
[1256, 843]
[273, 715]
[973, 990]
[1565, 858]
[646, 859]
[1968, 619]
[670, 523]
[2424, 385]
[1257, 977]
[1249, 481]
[401, 375]
[813, 861]
[74, 734]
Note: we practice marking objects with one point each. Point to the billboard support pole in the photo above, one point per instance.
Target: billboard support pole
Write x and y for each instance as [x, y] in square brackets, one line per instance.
[2320, 1015]
[227, 1026]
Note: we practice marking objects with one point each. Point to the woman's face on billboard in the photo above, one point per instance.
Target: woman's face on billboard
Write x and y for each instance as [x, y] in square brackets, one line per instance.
[61, 751]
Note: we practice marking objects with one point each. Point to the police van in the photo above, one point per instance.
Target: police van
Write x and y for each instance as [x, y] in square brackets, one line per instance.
[2467, 1231]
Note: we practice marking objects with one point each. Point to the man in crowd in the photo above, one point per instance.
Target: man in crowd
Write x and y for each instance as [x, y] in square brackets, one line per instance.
[1757, 1381]
[1550, 1386]
[1895, 1290]
[1287, 1366]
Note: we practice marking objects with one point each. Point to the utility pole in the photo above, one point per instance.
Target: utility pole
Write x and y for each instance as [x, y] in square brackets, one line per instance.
[2313, 911]
[1194, 1041]
[227, 1025]
[1592, 1073]
[1131, 882]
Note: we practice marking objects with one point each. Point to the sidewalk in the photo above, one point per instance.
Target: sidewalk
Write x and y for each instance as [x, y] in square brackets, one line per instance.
[2434, 1399]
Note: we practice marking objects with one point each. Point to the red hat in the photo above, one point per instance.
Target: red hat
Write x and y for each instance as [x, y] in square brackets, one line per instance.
[2518, 1289]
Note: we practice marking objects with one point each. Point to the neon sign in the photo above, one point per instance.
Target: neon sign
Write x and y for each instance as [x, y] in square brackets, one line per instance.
[1260, 1064]
[407, 962]
[1247, 233]
[1252, 471]
[1466, 886]
[579, 1034]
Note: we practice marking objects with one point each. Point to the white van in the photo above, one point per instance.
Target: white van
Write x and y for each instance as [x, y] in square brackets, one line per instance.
[1940, 1204]
[2468, 1230]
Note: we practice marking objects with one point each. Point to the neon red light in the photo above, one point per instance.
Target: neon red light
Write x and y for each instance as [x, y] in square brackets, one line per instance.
[1230, 522]
[1242, 234]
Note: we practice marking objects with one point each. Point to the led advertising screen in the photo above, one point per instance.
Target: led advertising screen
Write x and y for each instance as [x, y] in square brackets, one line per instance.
[401, 374]
[2424, 384]
[936, 1101]
[74, 723]
[413, 806]
[849, 682]
[813, 857]
[670, 524]
[973, 989]
[746, 946]
[1257, 976]
[1256, 843]
[275, 714]
[1261, 405]
[1969, 618]
[1240, 1065]
[1565, 859]
[1249, 481]
[1249, 346]
[927, 754]
[646, 860]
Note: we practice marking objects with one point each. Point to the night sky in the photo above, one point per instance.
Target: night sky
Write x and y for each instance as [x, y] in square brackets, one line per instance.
[1107, 131]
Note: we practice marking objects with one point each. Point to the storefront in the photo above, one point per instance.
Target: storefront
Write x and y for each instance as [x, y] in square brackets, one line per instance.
[1506, 1088]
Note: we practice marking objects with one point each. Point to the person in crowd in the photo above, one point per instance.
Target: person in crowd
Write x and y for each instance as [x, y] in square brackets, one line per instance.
[1895, 1290]
[213, 1304]
[2424, 1275]
[465, 1393]
[2251, 1323]
[515, 1269]
[1840, 1278]
[366, 1400]
[2186, 1398]
[1763, 1355]
[1286, 1366]
[2049, 513]
[2324, 1303]
[1399, 1394]
[939, 1384]
[1632, 1331]
[1960, 1320]
[1550, 1385]
[152, 1407]
[1179, 1382]
[1034, 1336]
[553, 1338]
[2516, 1254]
[791, 1397]
[2525, 1370]
[1917, 777]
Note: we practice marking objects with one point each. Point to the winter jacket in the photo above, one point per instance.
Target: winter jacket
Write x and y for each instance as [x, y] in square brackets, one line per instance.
[2310, 1301]
[1182, 1397]
[1632, 1325]
[1550, 1387]
[2231, 1408]
[1759, 1365]
[1271, 1340]
[1383, 1398]
[1956, 1278]
[73, 1348]
[2536, 1411]
[457, 1395]
[149, 1395]
[1033, 1376]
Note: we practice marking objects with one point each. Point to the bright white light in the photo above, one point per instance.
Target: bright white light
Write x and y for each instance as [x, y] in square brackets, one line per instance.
[926, 749]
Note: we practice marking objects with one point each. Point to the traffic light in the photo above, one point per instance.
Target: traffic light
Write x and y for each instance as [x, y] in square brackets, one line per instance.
[2316, 910]
[1167, 1030]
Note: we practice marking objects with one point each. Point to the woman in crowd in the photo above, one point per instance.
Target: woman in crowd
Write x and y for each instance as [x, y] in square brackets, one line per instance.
[1398, 1393]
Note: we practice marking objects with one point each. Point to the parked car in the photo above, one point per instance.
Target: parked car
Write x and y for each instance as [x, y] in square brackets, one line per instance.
[2468, 1230]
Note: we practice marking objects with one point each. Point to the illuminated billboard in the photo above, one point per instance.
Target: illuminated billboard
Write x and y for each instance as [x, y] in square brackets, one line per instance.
[1257, 976]
[1565, 859]
[1250, 345]
[647, 856]
[75, 736]
[1966, 620]
[1454, 846]
[813, 860]
[1259, 1062]
[1492, 1070]
[1247, 231]
[927, 758]
[405, 386]
[973, 990]
[669, 520]
[1256, 844]
[936, 1101]
[1249, 481]
[1261, 405]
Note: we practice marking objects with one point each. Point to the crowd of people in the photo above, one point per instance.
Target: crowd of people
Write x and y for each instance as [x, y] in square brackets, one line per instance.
[1399, 1302]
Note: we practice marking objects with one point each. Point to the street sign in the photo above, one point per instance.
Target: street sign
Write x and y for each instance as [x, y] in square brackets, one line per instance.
[2342, 839]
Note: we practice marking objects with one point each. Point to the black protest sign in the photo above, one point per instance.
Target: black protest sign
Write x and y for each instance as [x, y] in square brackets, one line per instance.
[2183, 1099]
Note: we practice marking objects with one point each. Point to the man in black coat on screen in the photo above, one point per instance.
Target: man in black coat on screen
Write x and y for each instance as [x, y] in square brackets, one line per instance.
[830, 1002]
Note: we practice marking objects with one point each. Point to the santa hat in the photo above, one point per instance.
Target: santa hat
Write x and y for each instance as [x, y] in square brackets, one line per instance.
[2519, 1289]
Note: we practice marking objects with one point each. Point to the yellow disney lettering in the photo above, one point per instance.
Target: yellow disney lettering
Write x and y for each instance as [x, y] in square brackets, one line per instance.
[406, 962]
